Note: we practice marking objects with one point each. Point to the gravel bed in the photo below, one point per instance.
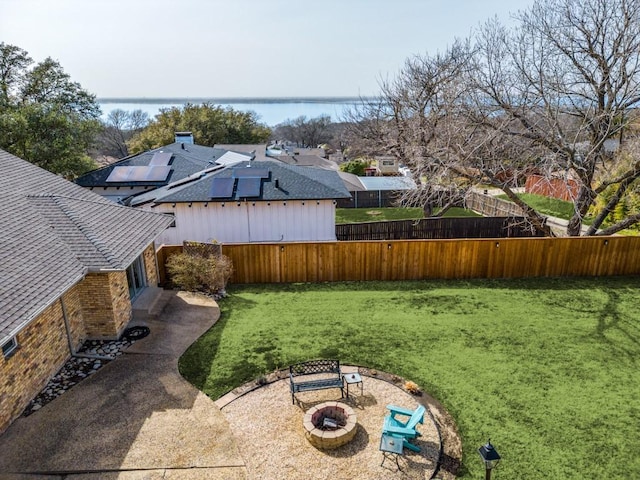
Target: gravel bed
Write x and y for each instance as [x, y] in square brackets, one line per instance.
[77, 369]
[270, 435]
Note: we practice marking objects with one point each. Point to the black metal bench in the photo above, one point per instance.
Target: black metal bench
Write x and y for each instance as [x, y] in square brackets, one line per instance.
[315, 375]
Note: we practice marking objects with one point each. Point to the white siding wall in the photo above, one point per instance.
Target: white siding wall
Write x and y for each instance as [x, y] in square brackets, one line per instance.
[291, 221]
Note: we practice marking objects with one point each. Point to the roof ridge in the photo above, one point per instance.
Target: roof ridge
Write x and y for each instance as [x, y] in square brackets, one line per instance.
[87, 231]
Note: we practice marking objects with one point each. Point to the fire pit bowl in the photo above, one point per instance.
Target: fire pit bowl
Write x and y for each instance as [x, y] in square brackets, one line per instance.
[330, 425]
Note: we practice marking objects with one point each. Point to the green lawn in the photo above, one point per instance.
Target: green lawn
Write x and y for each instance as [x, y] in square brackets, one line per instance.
[547, 205]
[358, 215]
[548, 368]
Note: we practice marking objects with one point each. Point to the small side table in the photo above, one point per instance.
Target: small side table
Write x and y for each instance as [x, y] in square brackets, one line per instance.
[353, 379]
[390, 446]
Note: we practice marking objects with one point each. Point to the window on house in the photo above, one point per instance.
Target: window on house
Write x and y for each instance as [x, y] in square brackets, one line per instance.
[9, 347]
[388, 163]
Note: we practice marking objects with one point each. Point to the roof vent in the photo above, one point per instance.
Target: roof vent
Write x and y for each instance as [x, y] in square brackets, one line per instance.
[184, 137]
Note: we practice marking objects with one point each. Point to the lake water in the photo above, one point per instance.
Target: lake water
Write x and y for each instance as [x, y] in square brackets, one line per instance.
[270, 111]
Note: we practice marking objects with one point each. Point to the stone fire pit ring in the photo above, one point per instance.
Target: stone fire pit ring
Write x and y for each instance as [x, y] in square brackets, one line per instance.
[330, 425]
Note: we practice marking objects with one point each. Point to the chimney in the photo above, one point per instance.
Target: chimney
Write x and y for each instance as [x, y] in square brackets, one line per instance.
[184, 137]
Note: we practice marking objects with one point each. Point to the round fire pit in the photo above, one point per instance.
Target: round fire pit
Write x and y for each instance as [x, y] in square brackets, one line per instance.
[330, 425]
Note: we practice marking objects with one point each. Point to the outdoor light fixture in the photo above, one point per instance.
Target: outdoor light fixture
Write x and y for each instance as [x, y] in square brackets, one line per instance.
[490, 458]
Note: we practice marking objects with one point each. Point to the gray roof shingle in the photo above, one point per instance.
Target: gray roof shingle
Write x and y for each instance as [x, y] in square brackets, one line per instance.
[186, 161]
[294, 183]
[54, 231]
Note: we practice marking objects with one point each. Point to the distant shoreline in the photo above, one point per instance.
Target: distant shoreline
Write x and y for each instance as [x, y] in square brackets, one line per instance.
[228, 100]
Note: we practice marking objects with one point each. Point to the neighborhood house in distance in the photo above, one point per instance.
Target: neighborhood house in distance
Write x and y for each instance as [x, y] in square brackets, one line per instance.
[71, 264]
[217, 194]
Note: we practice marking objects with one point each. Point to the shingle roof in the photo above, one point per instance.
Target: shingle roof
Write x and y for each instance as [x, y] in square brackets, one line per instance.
[186, 161]
[53, 233]
[294, 183]
[308, 161]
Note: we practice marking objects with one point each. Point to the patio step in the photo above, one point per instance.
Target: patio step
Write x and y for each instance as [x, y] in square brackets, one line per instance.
[150, 303]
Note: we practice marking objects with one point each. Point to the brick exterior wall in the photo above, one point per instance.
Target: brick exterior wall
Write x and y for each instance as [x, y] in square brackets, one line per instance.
[150, 265]
[43, 349]
[75, 316]
[106, 304]
[98, 307]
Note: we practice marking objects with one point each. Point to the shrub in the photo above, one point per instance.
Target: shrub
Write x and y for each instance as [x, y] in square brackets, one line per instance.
[197, 271]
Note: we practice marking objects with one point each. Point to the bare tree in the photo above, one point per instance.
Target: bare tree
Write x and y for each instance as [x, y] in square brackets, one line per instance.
[305, 132]
[544, 96]
[119, 127]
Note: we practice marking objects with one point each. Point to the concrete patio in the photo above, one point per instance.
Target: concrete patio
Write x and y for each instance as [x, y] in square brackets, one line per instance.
[136, 418]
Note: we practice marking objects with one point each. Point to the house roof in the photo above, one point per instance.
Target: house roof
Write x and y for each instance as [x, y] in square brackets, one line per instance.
[388, 183]
[54, 232]
[294, 183]
[258, 151]
[351, 181]
[186, 160]
[308, 161]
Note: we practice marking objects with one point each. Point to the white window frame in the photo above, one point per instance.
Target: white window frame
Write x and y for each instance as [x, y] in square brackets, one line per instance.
[9, 347]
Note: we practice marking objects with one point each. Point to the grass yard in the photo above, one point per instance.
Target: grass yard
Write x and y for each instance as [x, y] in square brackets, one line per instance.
[548, 368]
[359, 215]
[548, 206]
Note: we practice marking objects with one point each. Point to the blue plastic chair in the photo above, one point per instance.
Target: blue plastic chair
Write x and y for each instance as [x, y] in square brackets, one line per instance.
[404, 429]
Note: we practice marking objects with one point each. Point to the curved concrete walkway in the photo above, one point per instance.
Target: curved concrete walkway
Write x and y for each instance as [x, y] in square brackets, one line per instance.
[136, 418]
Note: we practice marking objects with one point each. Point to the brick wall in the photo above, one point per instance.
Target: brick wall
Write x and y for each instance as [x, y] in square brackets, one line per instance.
[43, 349]
[150, 266]
[106, 304]
[75, 317]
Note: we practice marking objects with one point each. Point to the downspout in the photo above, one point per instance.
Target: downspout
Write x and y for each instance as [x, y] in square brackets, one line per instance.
[72, 349]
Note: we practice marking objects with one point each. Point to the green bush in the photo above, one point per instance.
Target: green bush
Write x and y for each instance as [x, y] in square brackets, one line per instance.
[355, 167]
[197, 271]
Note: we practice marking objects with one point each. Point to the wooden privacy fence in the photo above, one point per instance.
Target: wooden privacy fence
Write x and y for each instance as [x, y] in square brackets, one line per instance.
[440, 228]
[422, 259]
[490, 206]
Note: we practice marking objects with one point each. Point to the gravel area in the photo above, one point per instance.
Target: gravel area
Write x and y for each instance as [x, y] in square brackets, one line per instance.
[77, 369]
[270, 435]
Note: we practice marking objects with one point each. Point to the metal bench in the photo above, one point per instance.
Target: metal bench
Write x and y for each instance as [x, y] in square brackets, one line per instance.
[315, 375]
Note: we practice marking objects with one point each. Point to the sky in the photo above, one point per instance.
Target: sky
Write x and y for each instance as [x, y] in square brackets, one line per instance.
[239, 48]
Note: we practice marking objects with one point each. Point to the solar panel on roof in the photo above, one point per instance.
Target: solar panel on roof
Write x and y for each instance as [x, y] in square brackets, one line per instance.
[222, 187]
[158, 174]
[249, 187]
[160, 159]
[250, 172]
[137, 174]
[119, 174]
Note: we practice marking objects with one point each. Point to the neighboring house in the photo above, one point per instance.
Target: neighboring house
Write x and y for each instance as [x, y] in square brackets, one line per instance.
[387, 165]
[155, 168]
[71, 263]
[250, 202]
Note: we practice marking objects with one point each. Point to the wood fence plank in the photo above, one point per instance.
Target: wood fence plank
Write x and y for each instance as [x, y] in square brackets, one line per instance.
[423, 259]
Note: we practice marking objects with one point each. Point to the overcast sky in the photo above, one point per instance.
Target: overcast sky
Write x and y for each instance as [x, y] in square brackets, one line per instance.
[238, 48]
